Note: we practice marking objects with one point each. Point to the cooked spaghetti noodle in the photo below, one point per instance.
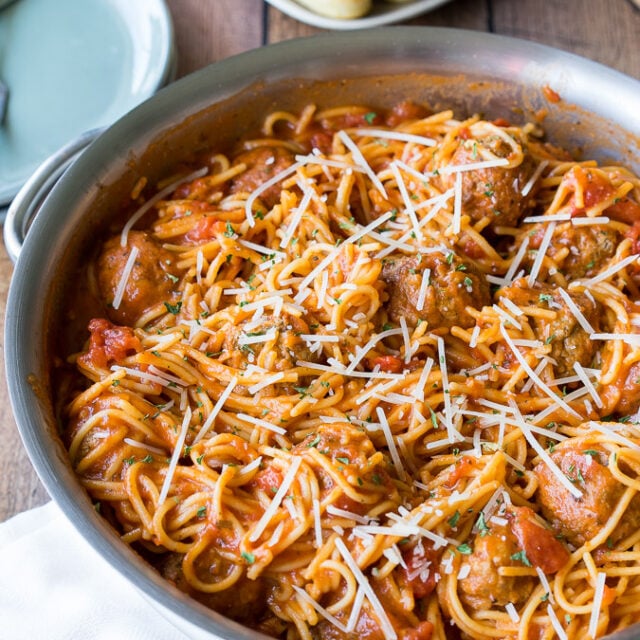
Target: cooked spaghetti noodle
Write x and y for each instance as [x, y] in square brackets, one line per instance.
[375, 375]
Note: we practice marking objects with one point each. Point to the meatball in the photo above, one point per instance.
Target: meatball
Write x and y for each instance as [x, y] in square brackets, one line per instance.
[539, 543]
[108, 344]
[283, 333]
[589, 248]
[570, 343]
[454, 284]
[368, 628]
[580, 519]
[484, 586]
[245, 602]
[151, 281]
[496, 192]
[624, 393]
[263, 163]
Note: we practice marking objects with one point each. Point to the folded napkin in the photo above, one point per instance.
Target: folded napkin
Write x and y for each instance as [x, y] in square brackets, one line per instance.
[54, 586]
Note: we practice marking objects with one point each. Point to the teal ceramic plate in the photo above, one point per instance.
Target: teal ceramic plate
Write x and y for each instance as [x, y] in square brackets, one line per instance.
[74, 65]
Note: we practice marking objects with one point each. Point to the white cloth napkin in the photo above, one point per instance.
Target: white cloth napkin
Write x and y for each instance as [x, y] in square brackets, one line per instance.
[54, 586]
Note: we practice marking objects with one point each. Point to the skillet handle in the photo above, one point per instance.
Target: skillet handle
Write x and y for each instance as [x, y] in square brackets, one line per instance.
[25, 205]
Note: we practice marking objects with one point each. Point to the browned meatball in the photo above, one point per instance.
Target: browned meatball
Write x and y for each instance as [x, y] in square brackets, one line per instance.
[454, 284]
[624, 393]
[239, 350]
[570, 343]
[580, 519]
[494, 193]
[245, 602]
[589, 248]
[151, 281]
[368, 625]
[367, 628]
[484, 586]
[263, 163]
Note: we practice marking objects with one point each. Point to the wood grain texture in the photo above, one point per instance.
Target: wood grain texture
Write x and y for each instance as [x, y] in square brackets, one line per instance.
[607, 32]
[209, 30]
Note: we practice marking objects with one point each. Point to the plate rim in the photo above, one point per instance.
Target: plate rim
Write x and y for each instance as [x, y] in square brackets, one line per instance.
[392, 14]
[161, 70]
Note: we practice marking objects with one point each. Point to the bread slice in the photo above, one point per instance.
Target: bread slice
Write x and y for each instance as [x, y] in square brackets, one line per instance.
[343, 9]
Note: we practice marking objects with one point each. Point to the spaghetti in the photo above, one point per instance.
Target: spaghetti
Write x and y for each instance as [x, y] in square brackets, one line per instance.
[375, 375]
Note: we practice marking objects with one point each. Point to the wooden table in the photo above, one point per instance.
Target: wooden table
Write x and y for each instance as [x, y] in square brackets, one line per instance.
[209, 30]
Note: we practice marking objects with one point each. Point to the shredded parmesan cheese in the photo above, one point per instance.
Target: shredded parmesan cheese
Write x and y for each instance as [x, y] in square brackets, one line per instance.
[248, 205]
[332, 255]
[216, 410]
[297, 216]
[361, 161]
[277, 499]
[544, 245]
[422, 293]
[614, 435]
[124, 278]
[320, 609]
[582, 374]
[175, 456]
[457, 203]
[597, 603]
[534, 177]
[537, 380]
[261, 423]
[474, 166]
[448, 418]
[555, 623]
[385, 623]
[406, 199]
[612, 270]
[395, 135]
[317, 522]
[393, 451]
[575, 310]
[583, 221]
[511, 610]
[269, 380]
[152, 201]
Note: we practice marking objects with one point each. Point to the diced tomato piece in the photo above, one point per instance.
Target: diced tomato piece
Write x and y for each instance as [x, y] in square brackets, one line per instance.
[463, 468]
[608, 596]
[625, 210]
[541, 546]
[633, 233]
[268, 479]
[109, 343]
[421, 570]
[594, 188]
[205, 229]
[388, 364]
[403, 111]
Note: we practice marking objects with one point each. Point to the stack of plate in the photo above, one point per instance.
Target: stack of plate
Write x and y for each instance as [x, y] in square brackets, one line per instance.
[74, 66]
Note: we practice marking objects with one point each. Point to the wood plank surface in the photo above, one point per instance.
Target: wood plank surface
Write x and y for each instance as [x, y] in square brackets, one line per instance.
[209, 30]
